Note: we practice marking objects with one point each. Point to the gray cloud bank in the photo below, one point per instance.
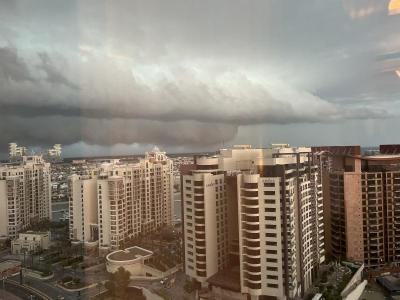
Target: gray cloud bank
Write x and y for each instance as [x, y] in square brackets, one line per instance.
[189, 72]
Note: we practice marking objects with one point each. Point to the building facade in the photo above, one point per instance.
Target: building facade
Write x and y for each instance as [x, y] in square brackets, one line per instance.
[25, 194]
[117, 201]
[30, 242]
[364, 193]
[257, 210]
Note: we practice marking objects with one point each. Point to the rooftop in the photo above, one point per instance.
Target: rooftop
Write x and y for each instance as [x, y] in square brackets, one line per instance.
[129, 254]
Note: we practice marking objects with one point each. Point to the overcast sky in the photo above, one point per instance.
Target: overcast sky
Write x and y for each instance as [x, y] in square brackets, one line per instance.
[117, 77]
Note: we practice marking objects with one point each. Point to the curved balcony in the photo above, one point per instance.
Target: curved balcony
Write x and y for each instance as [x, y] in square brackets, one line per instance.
[200, 250]
[199, 206]
[251, 193]
[252, 236]
[253, 270]
[250, 198]
[201, 266]
[200, 244]
[199, 213]
[253, 256]
[251, 211]
[200, 236]
[251, 228]
[254, 253]
[199, 219]
[201, 273]
[200, 258]
[253, 286]
[250, 203]
[254, 248]
[199, 227]
[253, 278]
[251, 244]
[253, 262]
[251, 219]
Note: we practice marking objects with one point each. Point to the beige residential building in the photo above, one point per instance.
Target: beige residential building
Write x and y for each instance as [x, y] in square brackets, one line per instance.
[257, 213]
[25, 194]
[117, 201]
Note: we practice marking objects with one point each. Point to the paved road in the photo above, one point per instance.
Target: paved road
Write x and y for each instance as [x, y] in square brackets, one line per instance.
[46, 287]
[94, 275]
[24, 292]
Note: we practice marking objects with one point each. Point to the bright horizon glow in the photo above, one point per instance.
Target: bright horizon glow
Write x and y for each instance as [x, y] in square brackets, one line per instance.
[394, 7]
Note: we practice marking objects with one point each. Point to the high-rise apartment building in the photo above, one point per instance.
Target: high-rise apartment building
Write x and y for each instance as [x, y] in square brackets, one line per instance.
[117, 201]
[364, 197]
[25, 194]
[53, 154]
[16, 152]
[257, 213]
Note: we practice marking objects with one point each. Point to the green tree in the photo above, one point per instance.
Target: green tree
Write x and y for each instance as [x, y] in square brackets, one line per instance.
[118, 284]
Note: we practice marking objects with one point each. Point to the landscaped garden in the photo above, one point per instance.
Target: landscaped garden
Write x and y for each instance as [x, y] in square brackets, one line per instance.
[117, 288]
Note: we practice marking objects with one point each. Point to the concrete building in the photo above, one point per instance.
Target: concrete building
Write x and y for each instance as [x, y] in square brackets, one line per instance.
[259, 211]
[132, 259]
[83, 210]
[364, 193]
[25, 194]
[53, 154]
[30, 241]
[15, 152]
[117, 201]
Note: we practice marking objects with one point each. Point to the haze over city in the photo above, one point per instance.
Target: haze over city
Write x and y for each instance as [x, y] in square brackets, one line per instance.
[105, 77]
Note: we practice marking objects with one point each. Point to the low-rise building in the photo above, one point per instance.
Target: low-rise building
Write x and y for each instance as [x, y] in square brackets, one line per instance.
[138, 262]
[31, 241]
[131, 259]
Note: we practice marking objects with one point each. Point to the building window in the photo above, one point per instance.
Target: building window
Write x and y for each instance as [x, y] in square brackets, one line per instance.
[269, 193]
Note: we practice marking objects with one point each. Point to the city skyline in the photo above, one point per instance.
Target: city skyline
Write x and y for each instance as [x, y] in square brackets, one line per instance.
[186, 76]
[200, 149]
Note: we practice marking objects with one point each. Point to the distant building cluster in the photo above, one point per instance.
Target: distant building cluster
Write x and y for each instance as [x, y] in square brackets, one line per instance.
[256, 223]
[16, 153]
[116, 201]
[25, 194]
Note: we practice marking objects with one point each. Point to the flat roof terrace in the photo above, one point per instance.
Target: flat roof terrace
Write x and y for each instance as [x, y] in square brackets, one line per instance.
[129, 254]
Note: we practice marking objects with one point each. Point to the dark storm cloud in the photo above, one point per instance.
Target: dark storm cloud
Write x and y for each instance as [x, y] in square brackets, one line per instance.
[13, 67]
[151, 71]
[68, 130]
[52, 74]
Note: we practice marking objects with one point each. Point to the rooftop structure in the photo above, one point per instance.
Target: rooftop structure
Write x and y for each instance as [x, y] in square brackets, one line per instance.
[129, 254]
